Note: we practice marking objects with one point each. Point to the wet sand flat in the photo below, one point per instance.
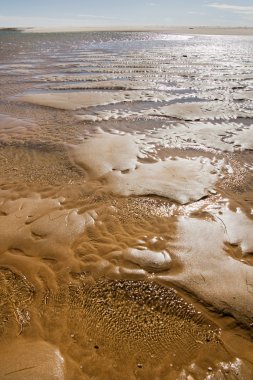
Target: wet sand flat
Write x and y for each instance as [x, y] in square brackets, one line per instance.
[126, 202]
[168, 30]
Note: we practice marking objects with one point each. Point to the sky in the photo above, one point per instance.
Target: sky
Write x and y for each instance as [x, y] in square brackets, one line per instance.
[88, 13]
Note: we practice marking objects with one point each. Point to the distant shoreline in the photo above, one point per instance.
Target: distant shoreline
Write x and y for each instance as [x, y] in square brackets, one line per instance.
[202, 30]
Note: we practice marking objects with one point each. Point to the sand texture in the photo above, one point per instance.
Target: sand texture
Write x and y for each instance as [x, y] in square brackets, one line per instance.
[76, 100]
[116, 161]
[45, 363]
[126, 205]
[227, 137]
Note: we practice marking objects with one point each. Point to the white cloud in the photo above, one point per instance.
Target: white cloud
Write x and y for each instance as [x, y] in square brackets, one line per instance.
[151, 4]
[239, 9]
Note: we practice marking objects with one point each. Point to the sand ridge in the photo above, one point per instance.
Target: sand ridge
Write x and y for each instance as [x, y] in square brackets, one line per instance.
[37, 232]
[75, 100]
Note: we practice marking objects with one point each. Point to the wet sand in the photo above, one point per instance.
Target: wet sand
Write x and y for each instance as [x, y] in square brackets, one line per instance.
[126, 203]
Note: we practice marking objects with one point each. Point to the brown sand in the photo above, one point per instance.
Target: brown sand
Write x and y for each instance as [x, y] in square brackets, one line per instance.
[150, 327]
[125, 256]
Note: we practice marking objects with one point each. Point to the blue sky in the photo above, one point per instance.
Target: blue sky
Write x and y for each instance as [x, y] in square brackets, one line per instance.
[125, 13]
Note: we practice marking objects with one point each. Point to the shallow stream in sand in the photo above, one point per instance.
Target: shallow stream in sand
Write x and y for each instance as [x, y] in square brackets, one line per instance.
[126, 203]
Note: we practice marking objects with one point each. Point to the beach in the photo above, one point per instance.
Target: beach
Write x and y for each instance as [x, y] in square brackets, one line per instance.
[126, 203]
[202, 30]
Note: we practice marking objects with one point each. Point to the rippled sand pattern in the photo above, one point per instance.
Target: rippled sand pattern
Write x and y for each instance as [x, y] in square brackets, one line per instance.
[138, 322]
[126, 176]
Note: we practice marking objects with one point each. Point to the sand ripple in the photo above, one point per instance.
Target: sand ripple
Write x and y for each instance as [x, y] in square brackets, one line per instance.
[156, 325]
[126, 207]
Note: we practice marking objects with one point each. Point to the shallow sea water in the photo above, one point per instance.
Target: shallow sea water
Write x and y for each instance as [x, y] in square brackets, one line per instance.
[126, 202]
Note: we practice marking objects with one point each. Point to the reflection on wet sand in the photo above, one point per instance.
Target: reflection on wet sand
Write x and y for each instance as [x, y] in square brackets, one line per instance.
[125, 210]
